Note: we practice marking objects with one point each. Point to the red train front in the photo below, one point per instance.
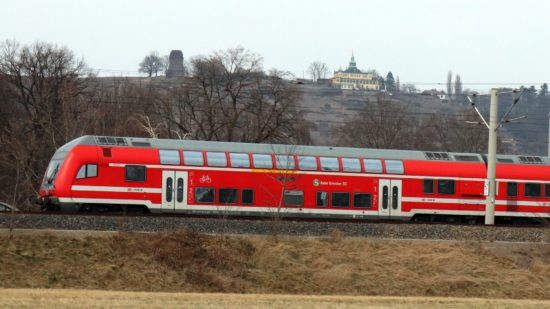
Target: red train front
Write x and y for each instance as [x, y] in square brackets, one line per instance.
[94, 173]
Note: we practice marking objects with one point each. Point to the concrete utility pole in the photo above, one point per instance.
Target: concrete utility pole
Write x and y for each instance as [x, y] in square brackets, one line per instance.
[492, 159]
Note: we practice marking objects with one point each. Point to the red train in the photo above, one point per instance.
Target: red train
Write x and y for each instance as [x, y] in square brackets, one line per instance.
[97, 173]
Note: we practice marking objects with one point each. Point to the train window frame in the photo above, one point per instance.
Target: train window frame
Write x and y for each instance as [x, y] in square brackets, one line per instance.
[133, 178]
[243, 198]
[232, 201]
[348, 166]
[369, 204]
[285, 162]
[260, 159]
[211, 189]
[547, 190]
[395, 167]
[373, 166]
[327, 164]
[238, 158]
[514, 186]
[307, 163]
[293, 194]
[443, 190]
[532, 184]
[169, 157]
[193, 158]
[333, 199]
[84, 171]
[424, 182]
[319, 197]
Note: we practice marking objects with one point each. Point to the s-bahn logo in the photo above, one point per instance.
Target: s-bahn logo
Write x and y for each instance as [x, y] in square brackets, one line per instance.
[316, 182]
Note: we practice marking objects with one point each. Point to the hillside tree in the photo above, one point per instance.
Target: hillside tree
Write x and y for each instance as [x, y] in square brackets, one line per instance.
[458, 86]
[390, 82]
[450, 83]
[317, 70]
[152, 64]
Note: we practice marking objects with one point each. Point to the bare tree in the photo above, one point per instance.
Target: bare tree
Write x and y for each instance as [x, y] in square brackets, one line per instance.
[317, 70]
[458, 86]
[152, 64]
[450, 83]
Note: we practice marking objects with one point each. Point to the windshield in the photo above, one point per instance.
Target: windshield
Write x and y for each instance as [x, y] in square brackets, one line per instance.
[51, 172]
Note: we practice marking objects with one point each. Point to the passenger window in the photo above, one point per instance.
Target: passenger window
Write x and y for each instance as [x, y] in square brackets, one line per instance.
[340, 199]
[351, 165]
[204, 195]
[216, 159]
[362, 200]
[87, 171]
[394, 167]
[428, 186]
[294, 198]
[322, 199]
[239, 160]
[372, 165]
[262, 161]
[547, 190]
[329, 164]
[171, 157]
[134, 173]
[307, 163]
[247, 196]
[284, 162]
[227, 196]
[446, 186]
[512, 189]
[193, 158]
[533, 189]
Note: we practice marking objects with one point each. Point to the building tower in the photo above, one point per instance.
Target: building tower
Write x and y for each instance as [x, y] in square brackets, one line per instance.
[175, 64]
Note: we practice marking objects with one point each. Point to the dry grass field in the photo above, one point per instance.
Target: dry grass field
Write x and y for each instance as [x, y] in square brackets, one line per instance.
[189, 262]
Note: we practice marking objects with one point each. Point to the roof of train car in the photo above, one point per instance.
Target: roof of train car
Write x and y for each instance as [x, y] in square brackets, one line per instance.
[295, 149]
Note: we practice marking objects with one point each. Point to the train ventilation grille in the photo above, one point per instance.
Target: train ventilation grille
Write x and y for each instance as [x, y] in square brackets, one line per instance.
[111, 141]
[530, 160]
[466, 158]
[437, 156]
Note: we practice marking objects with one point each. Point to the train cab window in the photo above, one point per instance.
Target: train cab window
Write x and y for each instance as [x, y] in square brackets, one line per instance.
[307, 163]
[351, 165]
[171, 157]
[362, 200]
[340, 199]
[322, 199]
[193, 158]
[239, 160]
[247, 196]
[547, 190]
[294, 198]
[329, 164]
[284, 162]
[134, 173]
[512, 189]
[394, 167]
[216, 159]
[227, 196]
[446, 186]
[372, 165]
[204, 195]
[428, 186]
[87, 171]
[262, 160]
[533, 189]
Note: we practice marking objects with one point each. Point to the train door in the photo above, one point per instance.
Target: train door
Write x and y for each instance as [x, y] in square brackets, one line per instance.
[389, 198]
[174, 190]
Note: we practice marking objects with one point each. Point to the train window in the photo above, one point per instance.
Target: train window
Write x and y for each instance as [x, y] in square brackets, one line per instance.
[322, 199]
[351, 165]
[247, 196]
[307, 163]
[329, 164]
[294, 198]
[284, 162]
[340, 199]
[533, 189]
[372, 165]
[171, 157]
[134, 173]
[227, 196]
[239, 159]
[193, 158]
[204, 195]
[428, 186]
[512, 189]
[394, 167]
[216, 159]
[362, 200]
[87, 171]
[262, 160]
[446, 186]
[547, 190]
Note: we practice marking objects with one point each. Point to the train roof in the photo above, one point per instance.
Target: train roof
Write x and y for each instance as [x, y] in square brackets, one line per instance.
[297, 150]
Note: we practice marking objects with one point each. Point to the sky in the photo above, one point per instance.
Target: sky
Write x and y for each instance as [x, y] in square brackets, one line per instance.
[489, 43]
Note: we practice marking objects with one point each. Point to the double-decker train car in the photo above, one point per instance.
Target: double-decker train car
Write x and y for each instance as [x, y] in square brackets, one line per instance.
[97, 173]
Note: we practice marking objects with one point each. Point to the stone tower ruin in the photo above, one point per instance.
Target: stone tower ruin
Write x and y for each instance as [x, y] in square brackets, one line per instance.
[175, 64]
